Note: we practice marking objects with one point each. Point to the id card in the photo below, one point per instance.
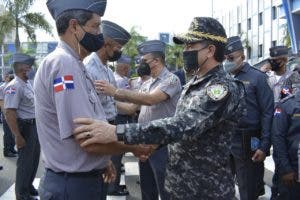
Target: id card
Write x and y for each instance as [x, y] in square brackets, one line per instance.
[255, 142]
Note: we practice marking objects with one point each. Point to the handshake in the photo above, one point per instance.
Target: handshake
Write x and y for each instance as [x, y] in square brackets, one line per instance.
[99, 137]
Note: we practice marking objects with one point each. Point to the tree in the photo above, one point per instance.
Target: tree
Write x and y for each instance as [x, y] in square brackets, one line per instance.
[286, 36]
[174, 56]
[130, 48]
[17, 16]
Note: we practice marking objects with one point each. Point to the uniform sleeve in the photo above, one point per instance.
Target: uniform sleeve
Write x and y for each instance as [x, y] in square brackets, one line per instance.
[12, 97]
[171, 86]
[265, 100]
[199, 116]
[1, 92]
[72, 100]
[279, 133]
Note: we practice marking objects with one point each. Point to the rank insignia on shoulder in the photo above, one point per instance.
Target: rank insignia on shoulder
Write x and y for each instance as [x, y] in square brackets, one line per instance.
[217, 92]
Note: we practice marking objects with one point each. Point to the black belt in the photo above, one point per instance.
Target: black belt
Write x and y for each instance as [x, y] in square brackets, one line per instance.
[93, 173]
[27, 121]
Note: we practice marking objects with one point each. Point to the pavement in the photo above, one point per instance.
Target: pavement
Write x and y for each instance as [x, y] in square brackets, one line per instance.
[130, 177]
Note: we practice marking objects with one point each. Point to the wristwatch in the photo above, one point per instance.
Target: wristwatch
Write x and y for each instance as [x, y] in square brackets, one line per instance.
[120, 131]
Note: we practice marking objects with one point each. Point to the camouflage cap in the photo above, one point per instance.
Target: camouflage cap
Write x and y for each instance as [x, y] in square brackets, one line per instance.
[203, 28]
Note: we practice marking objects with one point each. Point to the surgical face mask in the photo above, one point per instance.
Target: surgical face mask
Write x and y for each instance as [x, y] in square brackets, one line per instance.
[190, 59]
[91, 42]
[116, 56]
[143, 69]
[230, 66]
[275, 64]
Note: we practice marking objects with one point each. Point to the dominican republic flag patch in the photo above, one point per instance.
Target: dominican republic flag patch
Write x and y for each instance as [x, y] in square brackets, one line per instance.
[277, 112]
[63, 83]
[10, 90]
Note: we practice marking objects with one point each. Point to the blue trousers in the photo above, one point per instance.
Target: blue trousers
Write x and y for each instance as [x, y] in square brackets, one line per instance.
[249, 175]
[8, 138]
[63, 186]
[152, 176]
[28, 160]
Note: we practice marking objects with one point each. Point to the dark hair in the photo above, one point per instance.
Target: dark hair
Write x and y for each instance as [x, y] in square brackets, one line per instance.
[160, 55]
[220, 49]
[62, 22]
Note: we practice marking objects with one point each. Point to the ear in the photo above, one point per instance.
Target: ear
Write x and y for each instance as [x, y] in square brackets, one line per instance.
[73, 25]
[212, 50]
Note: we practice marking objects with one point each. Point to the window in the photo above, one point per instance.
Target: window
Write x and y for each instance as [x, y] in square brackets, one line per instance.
[249, 52]
[274, 43]
[274, 12]
[249, 24]
[239, 28]
[260, 19]
[260, 50]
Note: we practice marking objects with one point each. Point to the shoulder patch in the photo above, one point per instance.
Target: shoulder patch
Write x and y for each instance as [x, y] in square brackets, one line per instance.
[10, 90]
[173, 80]
[217, 92]
[63, 83]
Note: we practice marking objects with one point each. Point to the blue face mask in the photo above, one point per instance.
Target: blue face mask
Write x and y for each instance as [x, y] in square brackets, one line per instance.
[91, 42]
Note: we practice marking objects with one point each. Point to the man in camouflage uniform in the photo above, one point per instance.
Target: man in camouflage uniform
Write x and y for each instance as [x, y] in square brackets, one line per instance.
[199, 133]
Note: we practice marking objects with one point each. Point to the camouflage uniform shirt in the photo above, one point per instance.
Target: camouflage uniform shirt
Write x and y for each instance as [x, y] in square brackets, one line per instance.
[198, 136]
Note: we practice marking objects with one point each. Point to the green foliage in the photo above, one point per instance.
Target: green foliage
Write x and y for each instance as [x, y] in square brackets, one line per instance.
[17, 16]
[130, 48]
[174, 56]
[286, 36]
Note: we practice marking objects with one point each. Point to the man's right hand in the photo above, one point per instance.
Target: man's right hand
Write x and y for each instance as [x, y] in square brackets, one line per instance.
[143, 152]
[20, 141]
[289, 179]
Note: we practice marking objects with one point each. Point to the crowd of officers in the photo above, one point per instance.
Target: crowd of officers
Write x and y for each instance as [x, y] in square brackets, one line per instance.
[191, 140]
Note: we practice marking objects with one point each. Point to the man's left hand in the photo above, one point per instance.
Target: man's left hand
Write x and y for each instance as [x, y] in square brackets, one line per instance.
[259, 156]
[105, 88]
[94, 131]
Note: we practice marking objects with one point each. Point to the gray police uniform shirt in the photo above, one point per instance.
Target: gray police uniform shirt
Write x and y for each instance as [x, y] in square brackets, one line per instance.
[2, 88]
[277, 86]
[64, 91]
[19, 95]
[168, 83]
[98, 71]
[122, 82]
[198, 137]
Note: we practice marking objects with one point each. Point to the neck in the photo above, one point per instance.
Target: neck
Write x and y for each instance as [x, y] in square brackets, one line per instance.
[102, 55]
[156, 71]
[280, 72]
[145, 78]
[74, 44]
[209, 65]
[22, 77]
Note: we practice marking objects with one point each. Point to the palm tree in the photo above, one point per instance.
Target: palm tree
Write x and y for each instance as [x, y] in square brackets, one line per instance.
[17, 16]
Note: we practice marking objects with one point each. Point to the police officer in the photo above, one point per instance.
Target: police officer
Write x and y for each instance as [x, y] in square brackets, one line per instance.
[278, 60]
[8, 137]
[252, 140]
[65, 91]
[20, 116]
[199, 133]
[286, 140]
[158, 97]
[115, 37]
[122, 72]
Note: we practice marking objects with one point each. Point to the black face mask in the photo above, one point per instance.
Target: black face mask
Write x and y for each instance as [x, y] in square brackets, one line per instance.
[143, 69]
[116, 56]
[190, 59]
[91, 42]
[275, 65]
